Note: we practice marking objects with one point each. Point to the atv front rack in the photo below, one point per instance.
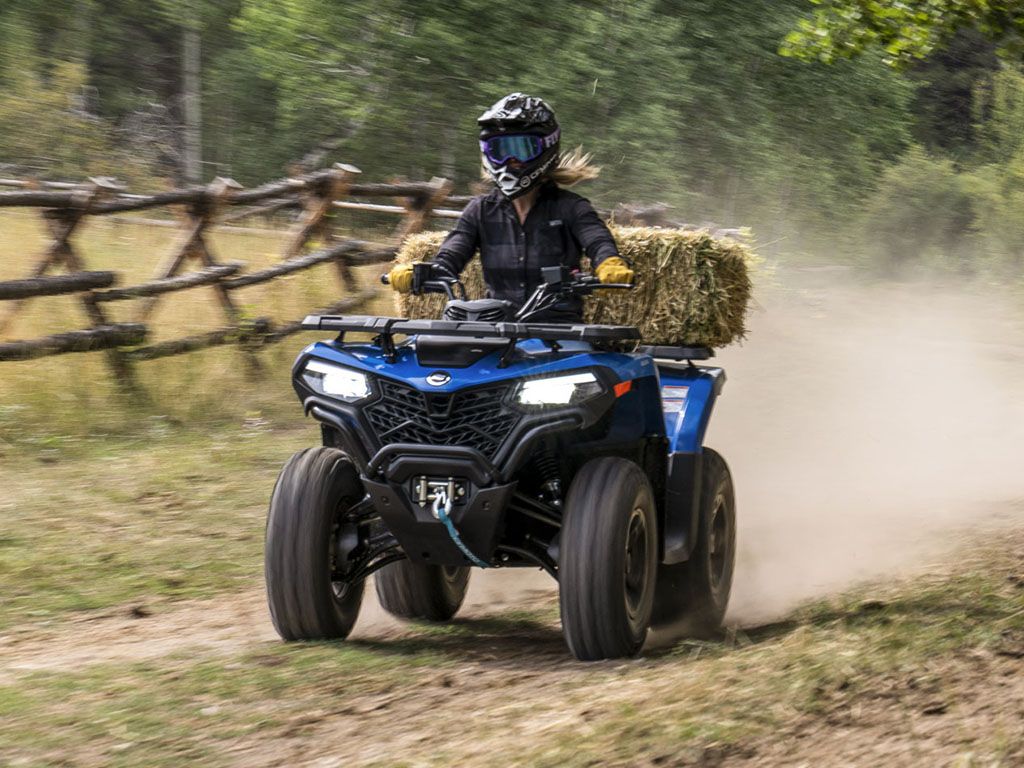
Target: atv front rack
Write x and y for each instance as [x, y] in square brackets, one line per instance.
[387, 327]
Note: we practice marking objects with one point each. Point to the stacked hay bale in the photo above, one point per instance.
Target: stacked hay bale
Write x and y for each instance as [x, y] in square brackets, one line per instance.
[692, 288]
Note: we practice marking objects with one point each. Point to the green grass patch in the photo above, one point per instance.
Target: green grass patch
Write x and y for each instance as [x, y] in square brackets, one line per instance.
[178, 712]
[88, 523]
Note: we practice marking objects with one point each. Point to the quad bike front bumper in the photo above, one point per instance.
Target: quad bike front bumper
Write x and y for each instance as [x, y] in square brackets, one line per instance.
[407, 479]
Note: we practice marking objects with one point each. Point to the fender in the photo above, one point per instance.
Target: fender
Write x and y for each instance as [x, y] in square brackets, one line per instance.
[688, 396]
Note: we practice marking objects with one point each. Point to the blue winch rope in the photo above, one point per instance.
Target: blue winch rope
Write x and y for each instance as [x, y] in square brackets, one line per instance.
[441, 510]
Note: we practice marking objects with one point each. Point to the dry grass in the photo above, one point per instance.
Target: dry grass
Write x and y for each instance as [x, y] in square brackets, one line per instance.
[692, 288]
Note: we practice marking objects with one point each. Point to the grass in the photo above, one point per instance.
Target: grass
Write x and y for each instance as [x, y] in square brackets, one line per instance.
[87, 523]
[913, 652]
[181, 712]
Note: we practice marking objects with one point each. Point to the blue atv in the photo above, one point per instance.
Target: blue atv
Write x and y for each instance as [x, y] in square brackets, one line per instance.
[485, 439]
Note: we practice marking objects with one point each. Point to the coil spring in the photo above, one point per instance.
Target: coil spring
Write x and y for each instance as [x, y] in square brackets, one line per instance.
[547, 465]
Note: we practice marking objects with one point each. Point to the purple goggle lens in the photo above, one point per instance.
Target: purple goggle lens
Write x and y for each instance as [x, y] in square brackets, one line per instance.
[522, 147]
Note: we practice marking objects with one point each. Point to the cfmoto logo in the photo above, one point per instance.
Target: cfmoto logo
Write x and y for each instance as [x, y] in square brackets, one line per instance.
[438, 378]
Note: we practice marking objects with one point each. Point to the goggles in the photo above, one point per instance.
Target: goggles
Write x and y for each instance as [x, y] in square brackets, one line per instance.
[523, 147]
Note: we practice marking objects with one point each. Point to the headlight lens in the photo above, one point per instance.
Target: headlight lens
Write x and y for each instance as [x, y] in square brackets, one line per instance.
[558, 390]
[336, 381]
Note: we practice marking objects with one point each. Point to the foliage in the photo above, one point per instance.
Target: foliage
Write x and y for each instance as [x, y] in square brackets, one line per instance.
[46, 132]
[905, 30]
[683, 101]
[921, 209]
[946, 86]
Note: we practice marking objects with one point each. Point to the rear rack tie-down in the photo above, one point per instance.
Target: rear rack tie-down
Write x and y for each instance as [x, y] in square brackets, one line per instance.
[442, 509]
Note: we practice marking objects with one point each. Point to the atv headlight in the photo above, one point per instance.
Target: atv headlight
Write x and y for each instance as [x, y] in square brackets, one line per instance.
[558, 390]
[336, 381]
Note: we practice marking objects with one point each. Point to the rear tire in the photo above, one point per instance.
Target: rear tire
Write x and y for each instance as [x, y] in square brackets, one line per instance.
[413, 591]
[313, 491]
[609, 559]
[695, 594]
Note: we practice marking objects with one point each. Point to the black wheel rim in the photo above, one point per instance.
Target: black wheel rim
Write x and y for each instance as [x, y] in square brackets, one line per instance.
[636, 571]
[718, 543]
[339, 587]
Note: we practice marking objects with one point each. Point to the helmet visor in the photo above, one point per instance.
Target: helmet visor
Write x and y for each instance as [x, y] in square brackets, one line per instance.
[522, 147]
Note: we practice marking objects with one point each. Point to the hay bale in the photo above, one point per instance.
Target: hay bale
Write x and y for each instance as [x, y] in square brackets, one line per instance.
[692, 288]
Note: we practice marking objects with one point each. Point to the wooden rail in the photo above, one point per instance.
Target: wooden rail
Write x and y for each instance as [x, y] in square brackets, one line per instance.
[88, 340]
[55, 285]
[191, 263]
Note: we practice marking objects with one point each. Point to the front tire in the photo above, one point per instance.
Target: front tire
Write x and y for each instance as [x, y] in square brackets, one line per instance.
[609, 559]
[694, 594]
[313, 491]
[413, 591]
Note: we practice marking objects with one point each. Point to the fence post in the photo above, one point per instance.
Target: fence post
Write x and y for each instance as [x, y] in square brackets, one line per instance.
[62, 223]
[124, 373]
[418, 208]
[341, 179]
[201, 213]
[317, 204]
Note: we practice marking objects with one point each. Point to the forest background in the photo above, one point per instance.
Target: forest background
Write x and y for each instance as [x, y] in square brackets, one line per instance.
[716, 108]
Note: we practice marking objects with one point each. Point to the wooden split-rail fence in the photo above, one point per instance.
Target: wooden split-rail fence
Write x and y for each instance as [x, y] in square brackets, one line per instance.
[61, 269]
[65, 206]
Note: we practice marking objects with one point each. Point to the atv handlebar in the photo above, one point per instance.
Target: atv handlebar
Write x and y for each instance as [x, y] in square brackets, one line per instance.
[425, 281]
[559, 283]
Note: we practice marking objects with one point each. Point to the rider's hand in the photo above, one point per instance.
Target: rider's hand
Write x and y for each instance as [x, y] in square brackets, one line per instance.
[614, 270]
[439, 271]
[400, 278]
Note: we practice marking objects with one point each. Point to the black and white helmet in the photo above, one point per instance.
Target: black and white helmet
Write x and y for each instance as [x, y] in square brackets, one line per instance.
[519, 142]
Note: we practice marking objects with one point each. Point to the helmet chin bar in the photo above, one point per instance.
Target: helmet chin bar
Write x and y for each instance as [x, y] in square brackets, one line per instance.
[513, 184]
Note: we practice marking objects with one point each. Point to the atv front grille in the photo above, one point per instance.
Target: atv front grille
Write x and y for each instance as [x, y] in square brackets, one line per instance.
[477, 418]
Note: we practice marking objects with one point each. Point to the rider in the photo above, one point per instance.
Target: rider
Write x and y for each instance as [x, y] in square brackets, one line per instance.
[528, 221]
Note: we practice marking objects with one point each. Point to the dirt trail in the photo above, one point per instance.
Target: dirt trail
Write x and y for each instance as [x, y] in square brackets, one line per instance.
[868, 428]
[225, 625]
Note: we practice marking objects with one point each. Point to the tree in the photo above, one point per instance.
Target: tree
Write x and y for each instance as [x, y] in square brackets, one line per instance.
[905, 30]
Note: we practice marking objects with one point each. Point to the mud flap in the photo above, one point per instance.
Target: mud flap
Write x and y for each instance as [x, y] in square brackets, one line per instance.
[682, 503]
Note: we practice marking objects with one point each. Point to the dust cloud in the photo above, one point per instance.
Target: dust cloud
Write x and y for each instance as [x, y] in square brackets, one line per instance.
[870, 429]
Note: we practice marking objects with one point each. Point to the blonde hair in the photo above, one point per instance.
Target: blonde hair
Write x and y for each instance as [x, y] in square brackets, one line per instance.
[573, 167]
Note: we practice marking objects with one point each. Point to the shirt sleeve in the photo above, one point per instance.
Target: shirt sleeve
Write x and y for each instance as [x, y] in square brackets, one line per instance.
[460, 245]
[591, 233]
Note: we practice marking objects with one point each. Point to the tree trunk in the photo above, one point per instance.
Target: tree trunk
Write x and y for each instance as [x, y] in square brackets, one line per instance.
[191, 102]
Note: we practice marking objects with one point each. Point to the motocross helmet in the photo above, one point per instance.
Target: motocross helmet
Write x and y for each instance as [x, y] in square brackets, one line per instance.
[519, 142]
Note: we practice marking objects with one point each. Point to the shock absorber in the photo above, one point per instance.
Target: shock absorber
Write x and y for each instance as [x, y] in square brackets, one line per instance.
[551, 483]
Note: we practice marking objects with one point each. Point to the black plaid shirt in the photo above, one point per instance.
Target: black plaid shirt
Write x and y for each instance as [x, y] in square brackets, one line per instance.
[559, 227]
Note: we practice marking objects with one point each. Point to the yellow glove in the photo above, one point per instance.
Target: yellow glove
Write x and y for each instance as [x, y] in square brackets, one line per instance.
[400, 278]
[614, 270]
